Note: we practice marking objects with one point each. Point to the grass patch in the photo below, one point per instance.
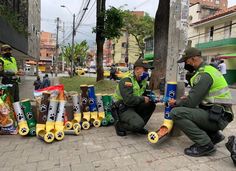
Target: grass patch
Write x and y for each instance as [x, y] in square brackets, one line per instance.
[73, 84]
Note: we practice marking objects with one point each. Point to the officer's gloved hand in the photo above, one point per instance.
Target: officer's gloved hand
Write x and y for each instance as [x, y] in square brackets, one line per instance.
[231, 146]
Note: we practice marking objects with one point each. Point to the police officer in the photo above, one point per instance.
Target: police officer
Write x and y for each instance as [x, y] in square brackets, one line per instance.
[134, 108]
[207, 108]
[10, 71]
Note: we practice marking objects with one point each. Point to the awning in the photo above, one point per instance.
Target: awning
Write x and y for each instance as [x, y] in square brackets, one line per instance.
[149, 56]
[227, 56]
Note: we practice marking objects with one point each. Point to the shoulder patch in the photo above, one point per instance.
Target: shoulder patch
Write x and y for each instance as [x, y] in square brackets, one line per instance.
[197, 79]
[128, 84]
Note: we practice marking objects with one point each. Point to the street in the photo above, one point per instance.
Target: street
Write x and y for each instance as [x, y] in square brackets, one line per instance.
[101, 149]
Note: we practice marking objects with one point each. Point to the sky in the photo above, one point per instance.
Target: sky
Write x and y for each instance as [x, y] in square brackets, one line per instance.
[51, 9]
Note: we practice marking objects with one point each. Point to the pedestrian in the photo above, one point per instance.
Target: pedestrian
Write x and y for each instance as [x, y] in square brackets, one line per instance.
[37, 83]
[10, 71]
[222, 67]
[46, 81]
[206, 110]
[113, 71]
[214, 63]
[51, 70]
[134, 107]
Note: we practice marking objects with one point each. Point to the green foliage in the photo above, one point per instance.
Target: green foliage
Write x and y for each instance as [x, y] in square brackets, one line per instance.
[80, 52]
[114, 22]
[103, 86]
[13, 19]
[139, 26]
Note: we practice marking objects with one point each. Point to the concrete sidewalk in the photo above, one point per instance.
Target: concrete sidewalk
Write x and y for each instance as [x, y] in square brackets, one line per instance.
[101, 149]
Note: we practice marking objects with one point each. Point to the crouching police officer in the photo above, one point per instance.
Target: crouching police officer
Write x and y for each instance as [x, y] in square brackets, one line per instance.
[9, 72]
[132, 108]
[207, 108]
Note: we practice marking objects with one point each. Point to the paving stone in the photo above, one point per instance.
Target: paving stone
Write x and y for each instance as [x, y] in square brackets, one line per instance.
[95, 148]
[124, 161]
[38, 157]
[179, 161]
[200, 167]
[121, 169]
[104, 164]
[162, 165]
[125, 150]
[139, 167]
[83, 167]
[7, 168]
[109, 154]
[143, 158]
[89, 157]
[222, 165]
[16, 161]
[112, 145]
[47, 165]
[24, 167]
[61, 168]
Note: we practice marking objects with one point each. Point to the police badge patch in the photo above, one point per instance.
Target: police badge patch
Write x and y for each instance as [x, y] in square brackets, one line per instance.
[197, 79]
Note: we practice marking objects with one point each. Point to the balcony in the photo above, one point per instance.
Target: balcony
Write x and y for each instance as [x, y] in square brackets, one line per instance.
[217, 43]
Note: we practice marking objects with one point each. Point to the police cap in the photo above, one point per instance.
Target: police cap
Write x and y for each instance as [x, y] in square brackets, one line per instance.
[188, 53]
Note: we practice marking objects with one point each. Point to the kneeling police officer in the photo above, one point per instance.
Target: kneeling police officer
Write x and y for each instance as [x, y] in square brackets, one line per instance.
[133, 108]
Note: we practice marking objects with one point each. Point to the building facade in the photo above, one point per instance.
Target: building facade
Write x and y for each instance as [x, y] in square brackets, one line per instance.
[220, 4]
[19, 27]
[215, 36]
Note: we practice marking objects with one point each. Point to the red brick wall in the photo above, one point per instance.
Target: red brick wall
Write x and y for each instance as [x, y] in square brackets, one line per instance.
[223, 4]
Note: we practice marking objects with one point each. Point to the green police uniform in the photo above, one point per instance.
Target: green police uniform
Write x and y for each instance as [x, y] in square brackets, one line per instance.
[9, 76]
[136, 113]
[192, 115]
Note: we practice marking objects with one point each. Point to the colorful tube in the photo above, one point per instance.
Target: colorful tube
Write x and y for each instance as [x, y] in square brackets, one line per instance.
[68, 118]
[52, 112]
[167, 125]
[22, 123]
[93, 107]
[75, 131]
[85, 107]
[48, 137]
[76, 110]
[59, 124]
[107, 102]
[43, 112]
[100, 108]
[30, 117]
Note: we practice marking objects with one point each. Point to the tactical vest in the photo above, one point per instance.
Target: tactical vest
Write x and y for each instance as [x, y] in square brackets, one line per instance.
[137, 91]
[8, 65]
[219, 92]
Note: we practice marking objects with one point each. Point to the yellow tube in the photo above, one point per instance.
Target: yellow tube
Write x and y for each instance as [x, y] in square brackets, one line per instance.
[50, 125]
[48, 137]
[68, 125]
[59, 130]
[86, 119]
[164, 130]
[40, 127]
[23, 128]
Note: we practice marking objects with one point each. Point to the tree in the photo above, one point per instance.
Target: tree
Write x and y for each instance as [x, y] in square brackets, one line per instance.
[80, 51]
[109, 24]
[139, 27]
[161, 29]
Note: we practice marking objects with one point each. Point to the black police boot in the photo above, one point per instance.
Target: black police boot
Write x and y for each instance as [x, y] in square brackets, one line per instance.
[143, 131]
[216, 137]
[120, 131]
[197, 151]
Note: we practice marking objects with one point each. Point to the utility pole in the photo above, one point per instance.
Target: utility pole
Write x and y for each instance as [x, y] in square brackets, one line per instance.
[57, 46]
[177, 41]
[63, 33]
[72, 49]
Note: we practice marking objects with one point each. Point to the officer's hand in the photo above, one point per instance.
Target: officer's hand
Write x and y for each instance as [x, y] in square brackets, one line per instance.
[146, 99]
[183, 97]
[20, 72]
[172, 102]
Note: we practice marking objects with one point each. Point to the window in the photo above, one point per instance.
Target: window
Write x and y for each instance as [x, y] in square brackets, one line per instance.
[124, 45]
[217, 2]
[211, 33]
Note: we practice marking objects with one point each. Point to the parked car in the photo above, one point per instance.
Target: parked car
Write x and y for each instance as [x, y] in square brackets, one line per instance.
[80, 71]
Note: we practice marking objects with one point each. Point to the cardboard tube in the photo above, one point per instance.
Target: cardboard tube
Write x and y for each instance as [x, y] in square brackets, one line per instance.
[30, 117]
[48, 137]
[23, 127]
[76, 131]
[167, 125]
[52, 112]
[59, 124]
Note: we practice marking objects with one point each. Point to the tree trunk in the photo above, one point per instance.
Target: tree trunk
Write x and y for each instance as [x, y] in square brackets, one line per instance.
[101, 5]
[161, 29]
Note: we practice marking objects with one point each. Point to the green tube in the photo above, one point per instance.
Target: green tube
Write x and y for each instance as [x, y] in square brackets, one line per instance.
[29, 115]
